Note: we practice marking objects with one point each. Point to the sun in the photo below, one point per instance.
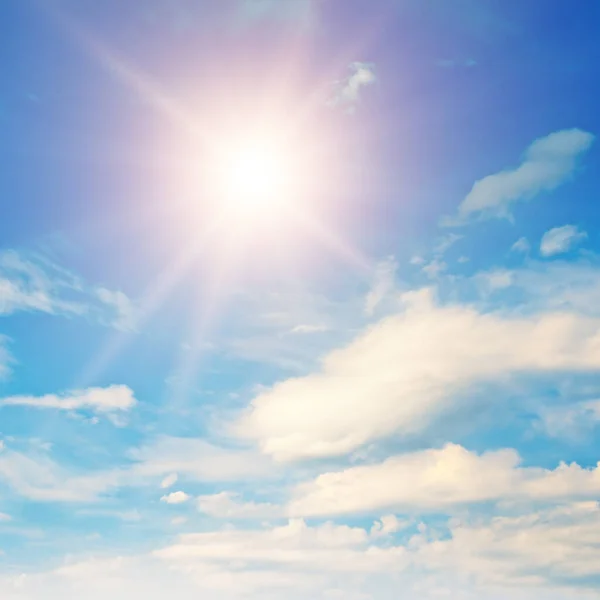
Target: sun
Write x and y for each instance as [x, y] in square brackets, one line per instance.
[254, 179]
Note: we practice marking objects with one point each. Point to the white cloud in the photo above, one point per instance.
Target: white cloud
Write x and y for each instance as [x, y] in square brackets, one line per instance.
[387, 525]
[309, 329]
[521, 245]
[446, 242]
[439, 480]
[175, 498]
[560, 240]
[197, 460]
[434, 268]
[384, 283]
[125, 313]
[34, 283]
[349, 90]
[555, 547]
[573, 422]
[228, 505]
[100, 400]
[404, 371]
[169, 481]
[548, 162]
[6, 358]
[324, 548]
[4, 518]
[39, 478]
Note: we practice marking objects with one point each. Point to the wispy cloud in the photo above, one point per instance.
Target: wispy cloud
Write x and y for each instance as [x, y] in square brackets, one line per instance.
[229, 505]
[348, 91]
[99, 400]
[560, 240]
[548, 162]
[35, 284]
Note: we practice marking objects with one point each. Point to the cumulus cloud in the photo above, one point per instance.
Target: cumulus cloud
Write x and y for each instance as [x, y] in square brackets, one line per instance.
[99, 400]
[228, 505]
[556, 547]
[324, 548]
[348, 91]
[548, 162]
[175, 498]
[402, 372]
[560, 240]
[440, 479]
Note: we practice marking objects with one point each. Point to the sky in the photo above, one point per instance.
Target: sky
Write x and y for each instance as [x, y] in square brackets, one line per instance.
[299, 299]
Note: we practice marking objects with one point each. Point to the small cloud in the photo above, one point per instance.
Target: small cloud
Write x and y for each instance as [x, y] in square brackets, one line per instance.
[548, 162]
[521, 245]
[435, 268]
[4, 518]
[384, 282]
[169, 481]
[446, 242]
[175, 498]
[309, 329]
[387, 525]
[179, 521]
[560, 240]
[348, 91]
[99, 400]
[124, 310]
[417, 261]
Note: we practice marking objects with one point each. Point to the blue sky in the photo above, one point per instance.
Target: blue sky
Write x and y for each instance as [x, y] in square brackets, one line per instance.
[299, 298]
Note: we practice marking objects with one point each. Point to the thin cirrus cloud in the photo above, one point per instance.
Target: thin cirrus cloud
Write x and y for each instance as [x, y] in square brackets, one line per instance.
[561, 239]
[99, 400]
[404, 371]
[548, 162]
[440, 479]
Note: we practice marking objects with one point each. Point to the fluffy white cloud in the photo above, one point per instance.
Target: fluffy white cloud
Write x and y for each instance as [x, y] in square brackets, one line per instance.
[348, 91]
[228, 505]
[560, 240]
[404, 371]
[439, 479]
[548, 162]
[387, 525]
[555, 547]
[99, 400]
[323, 548]
[175, 498]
